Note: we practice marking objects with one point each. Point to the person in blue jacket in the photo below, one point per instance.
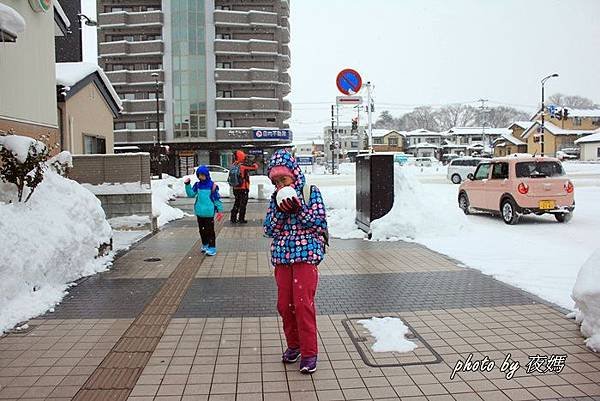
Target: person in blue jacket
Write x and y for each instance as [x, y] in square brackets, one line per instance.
[207, 206]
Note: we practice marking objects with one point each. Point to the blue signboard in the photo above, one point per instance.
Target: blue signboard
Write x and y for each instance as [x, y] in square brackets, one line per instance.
[304, 160]
[272, 134]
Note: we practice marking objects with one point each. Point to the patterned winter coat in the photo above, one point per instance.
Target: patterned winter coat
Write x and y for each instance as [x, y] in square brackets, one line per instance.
[296, 237]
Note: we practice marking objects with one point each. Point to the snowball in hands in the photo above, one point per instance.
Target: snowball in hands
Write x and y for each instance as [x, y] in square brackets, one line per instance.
[285, 193]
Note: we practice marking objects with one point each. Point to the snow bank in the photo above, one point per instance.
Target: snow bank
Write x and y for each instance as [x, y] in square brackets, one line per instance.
[11, 21]
[19, 145]
[163, 191]
[389, 333]
[130, 222]
[417, 211]
[586, 294]
[46, 243]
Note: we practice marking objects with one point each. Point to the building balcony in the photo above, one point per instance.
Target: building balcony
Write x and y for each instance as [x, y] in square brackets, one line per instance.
[125, 77]
[252, 46]
[252, 75]
[122, 19]
[142, 106]
[125, 136]
[244, 18]
[284, 35]
[124, 48]
[252, 105]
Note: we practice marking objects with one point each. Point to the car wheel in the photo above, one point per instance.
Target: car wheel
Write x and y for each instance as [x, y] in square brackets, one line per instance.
[508, 211]
[563, 217]
[463, 203]
[456, 179]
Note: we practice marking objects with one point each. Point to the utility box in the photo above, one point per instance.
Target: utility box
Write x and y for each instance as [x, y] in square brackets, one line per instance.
[374, 187]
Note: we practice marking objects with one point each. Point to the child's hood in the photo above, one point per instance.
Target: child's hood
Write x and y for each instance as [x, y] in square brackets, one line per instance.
[206, 183]
[283, 158]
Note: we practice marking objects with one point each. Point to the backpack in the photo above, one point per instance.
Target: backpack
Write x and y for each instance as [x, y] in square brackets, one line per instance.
[234, 178]
[324, 234]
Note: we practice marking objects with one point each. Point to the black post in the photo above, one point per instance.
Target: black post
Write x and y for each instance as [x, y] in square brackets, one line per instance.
[542, 128]
[332, 147]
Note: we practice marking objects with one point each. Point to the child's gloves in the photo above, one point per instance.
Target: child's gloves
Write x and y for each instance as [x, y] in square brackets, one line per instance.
[186, 180]
[290, 205]
[219, 216]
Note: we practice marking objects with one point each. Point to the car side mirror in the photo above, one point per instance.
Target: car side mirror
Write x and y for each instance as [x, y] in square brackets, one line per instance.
[470, 176]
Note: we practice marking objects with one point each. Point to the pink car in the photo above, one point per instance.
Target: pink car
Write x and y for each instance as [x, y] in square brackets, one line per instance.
[517, 185]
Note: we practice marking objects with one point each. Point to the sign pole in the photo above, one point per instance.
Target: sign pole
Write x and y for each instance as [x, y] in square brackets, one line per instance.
[370, 126]
[332, 146]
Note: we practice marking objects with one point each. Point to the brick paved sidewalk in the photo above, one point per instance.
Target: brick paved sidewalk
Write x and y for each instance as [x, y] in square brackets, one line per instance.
[187, 327]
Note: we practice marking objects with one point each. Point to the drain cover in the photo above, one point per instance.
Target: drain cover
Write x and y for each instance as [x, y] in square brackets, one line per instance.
[424, 354]
[152, 260]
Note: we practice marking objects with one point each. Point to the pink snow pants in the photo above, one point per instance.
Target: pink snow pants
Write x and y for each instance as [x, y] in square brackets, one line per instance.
[296, 288]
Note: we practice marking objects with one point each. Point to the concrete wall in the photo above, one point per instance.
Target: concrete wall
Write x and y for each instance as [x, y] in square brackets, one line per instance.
[121, 168]
[27, 72]
[86, 113]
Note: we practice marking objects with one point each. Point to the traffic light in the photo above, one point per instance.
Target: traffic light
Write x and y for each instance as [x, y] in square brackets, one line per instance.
[565, 113]
[354, 124]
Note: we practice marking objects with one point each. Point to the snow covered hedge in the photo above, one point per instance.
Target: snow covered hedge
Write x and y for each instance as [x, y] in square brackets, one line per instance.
[586, 294]
[47, 242]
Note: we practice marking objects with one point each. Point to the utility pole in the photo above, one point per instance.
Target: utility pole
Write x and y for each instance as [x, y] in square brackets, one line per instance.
[544, 112]
[369, 110]
[332, 145]
[483, 111]
[158, 145]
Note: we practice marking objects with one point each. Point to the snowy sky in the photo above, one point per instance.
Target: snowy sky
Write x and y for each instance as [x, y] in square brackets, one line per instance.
[437, 52]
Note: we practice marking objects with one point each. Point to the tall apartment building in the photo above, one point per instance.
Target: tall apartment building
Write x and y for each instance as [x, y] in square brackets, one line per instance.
[222, 75]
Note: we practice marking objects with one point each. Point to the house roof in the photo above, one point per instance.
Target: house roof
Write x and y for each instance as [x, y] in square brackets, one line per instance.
[72, 77]
[424, 145]
[422, 132]
[380, 133]
[590, 138]
[555, 130]
[476, 131]
[523, 124]
[507, 137]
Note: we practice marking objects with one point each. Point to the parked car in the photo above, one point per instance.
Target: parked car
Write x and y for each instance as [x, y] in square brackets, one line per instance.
[447, 158]
[513, 186]
[217, 173]
[460, 168]
[425, 161]
[401, 158]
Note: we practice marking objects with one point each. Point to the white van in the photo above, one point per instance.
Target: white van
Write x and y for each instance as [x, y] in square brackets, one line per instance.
[460, 168]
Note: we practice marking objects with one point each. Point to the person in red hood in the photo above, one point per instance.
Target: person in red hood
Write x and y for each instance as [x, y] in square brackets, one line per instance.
[238, 212]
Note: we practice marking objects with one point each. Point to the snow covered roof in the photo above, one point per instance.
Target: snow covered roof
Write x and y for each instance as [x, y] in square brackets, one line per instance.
[381, 132]
[70, 74]
[11, 22]
[424, 145]
[523, 124]
[589, 138]
[477, 131]
[423, 132]
[555, 130]
[507, 137]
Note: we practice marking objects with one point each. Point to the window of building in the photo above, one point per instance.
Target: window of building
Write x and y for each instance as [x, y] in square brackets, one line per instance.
[377, 141]
[271, 120]
[117, 67]
[598, 152]
[225, 65]
[227, 94]
[127, 96]
[576, 121]
[224, 123]
[393, 141]
[150, 95]
[154, 66]
[119, 126]
[93, 145]
[225, 36]
[130, 125]
[151, 124]
[354, 145]
[224, 8]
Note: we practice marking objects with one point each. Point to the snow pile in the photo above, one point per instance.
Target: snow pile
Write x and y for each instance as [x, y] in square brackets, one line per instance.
[118, 188]
[47, 242]
[390, 334]
[129, 222]
[417, 211]
[20, 145]
[11, 21]
[586, 294]
[340, 203]
[123, 240]
[163, 191]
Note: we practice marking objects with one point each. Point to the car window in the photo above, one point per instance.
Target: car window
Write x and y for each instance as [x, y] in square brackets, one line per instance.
[483, 171]
[499, 171]
[474, 162]
[457, 163]
[539, 169]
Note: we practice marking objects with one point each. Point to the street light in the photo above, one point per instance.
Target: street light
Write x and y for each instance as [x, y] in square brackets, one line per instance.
[543, 112]
[88, 20]
[159, 148]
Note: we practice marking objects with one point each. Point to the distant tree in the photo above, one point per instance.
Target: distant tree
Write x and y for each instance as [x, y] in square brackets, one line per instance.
[456, 115]
[576, 102]
[501, 116]
[386, 121]
[420, 117]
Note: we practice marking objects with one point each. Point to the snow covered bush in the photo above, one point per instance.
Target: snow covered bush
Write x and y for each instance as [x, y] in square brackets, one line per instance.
[47, 243]
[61, 163]
[586, 294]
[23, 162]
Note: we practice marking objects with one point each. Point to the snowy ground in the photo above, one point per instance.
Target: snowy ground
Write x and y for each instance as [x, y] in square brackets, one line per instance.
[538, 255]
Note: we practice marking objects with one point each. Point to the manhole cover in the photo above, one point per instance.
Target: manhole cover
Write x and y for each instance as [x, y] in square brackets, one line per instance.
[152, 260]
[424, 354]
